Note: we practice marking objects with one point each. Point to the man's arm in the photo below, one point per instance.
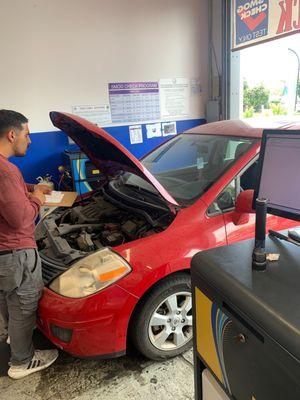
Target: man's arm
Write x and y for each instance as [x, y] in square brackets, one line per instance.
[15, 207]
[43, 188]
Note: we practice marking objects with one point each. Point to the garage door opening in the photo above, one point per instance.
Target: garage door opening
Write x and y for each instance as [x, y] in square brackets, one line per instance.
[269, 81]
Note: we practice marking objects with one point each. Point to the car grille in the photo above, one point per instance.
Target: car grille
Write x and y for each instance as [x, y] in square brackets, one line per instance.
[51, 270]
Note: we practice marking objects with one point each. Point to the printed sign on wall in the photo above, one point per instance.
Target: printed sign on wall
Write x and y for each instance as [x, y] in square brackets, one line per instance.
[255, 21]
[99, 115]
[136, 134]
[174, 98]
[134, 101]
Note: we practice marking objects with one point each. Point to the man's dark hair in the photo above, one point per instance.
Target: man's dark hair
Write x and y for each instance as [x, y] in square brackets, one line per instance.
[11, 119]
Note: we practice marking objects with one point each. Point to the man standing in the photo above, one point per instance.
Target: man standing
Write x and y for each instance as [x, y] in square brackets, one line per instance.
[21, 281]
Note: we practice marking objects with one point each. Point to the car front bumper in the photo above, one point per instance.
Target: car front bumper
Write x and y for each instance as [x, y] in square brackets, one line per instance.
[95, 326]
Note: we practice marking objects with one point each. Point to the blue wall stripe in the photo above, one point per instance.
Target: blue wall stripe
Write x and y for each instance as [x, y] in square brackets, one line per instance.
[45, 152]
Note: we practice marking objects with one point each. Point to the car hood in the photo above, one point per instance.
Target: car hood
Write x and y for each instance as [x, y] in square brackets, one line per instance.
[105, 151]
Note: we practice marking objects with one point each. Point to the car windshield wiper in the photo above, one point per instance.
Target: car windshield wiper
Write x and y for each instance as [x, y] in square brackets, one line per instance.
[154, 196]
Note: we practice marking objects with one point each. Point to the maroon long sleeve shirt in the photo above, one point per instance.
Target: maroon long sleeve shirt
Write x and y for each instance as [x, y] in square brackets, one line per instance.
[18, 210]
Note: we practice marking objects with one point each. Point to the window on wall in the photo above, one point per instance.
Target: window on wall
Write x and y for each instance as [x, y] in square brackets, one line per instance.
[268, 80]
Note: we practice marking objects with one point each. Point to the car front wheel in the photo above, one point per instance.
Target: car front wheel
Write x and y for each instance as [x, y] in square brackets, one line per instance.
[162, 325]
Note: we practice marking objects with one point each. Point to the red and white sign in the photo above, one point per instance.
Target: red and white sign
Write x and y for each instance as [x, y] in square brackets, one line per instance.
[256, 21]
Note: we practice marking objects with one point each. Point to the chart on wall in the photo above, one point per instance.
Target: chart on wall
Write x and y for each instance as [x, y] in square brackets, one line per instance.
[151, 101]
[134, 101]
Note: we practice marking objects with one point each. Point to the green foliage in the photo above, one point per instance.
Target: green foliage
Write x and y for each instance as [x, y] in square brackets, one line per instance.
[277, 109]
[249, 112]
[256, 97]
[274, 102]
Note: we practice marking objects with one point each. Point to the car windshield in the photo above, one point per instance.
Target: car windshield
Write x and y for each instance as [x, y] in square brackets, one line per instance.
[187, 165]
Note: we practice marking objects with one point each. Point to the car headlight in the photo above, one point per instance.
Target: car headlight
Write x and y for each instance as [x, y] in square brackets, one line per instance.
[91, 274]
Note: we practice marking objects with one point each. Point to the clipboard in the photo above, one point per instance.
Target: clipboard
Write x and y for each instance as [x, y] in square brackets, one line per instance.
[67, 200]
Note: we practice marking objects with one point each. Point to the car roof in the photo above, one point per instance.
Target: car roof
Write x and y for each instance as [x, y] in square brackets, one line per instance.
[252, 127]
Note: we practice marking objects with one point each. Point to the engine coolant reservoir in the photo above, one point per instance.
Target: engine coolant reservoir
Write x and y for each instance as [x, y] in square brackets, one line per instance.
[45, 180]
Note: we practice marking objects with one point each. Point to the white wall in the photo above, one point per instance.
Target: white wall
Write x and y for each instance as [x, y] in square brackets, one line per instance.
[59, 53]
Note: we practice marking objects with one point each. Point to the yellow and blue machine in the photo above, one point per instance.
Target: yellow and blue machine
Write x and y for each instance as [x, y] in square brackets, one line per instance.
[247, 323]
[85, 176]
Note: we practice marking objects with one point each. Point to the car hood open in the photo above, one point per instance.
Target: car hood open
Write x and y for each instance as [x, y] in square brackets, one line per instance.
[104, 151]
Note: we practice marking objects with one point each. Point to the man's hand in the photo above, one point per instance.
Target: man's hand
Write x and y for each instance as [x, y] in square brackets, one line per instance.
[43, 188]
[37, 193]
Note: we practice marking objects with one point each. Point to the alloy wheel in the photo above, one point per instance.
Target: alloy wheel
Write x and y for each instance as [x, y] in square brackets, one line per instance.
[170, 325]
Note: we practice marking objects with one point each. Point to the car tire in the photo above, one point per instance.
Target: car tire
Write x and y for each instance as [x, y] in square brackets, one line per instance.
[162, 324]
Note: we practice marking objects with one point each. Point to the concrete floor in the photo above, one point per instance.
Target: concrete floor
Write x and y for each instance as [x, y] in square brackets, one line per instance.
[130, 377]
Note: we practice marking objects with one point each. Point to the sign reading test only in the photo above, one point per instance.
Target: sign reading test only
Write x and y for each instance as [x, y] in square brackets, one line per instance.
[255, 21]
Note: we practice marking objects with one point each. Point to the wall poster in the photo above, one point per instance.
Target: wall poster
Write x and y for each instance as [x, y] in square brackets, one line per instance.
[134, 101]
[255, 21]
[174, 98]
[98, 115]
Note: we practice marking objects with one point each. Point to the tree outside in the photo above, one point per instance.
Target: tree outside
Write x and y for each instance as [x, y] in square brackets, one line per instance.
[261, 101]
[256, 97]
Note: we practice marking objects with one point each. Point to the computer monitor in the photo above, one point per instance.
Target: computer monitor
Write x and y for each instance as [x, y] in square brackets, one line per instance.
[279, 172]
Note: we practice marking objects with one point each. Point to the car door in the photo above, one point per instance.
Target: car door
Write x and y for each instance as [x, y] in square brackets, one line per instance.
[245, 230]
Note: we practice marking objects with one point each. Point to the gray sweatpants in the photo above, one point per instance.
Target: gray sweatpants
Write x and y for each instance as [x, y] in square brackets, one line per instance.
[21, 287]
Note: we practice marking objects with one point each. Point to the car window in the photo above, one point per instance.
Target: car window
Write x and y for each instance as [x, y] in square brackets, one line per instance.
[189, 164]
[225, 202]
[248, 179]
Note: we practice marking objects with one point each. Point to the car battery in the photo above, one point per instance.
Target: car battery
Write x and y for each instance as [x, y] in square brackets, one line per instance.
[247, 323]
[85, 175]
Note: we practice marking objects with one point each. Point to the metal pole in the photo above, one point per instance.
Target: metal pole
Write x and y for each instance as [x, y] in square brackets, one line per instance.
[297, 82]
[226, 57]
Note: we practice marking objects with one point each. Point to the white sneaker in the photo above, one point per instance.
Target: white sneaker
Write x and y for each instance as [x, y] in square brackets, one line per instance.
[8, 340]
[41, 360]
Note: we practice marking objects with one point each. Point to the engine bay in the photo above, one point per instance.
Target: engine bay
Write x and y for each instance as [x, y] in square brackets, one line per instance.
[67, 234]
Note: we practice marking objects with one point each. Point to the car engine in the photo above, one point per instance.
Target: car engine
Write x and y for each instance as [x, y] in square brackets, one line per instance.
[65, 235]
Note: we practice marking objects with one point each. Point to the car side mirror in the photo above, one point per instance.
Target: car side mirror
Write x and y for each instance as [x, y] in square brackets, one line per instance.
[243, 207]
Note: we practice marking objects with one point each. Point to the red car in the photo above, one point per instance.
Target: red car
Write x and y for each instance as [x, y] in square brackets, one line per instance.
[116, 264]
